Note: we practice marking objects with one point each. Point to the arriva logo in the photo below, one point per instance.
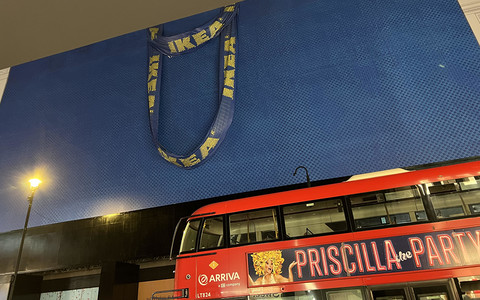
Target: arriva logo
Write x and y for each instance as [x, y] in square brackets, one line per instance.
[204, 280]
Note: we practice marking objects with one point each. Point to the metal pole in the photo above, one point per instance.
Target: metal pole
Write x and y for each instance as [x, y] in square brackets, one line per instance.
[19, 255]
[306, 171]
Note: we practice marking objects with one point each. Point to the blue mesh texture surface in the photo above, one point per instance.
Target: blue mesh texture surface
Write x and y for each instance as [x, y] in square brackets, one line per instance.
[341, 87]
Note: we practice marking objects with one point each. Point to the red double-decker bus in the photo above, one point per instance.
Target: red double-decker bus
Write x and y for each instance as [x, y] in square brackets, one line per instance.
[411, 235]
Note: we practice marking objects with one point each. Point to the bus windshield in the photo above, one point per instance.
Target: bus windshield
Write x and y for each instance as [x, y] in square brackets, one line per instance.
[190, 236]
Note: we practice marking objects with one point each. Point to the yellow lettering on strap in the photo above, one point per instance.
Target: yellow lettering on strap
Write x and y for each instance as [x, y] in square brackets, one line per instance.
[227, 93]
[154, 58]
[153, 33]
[152, 70]
[152, 85]
[151, 102]
[229, 80]
[190, 161]
[200, 37]
[210, 143]
[153, 66]
[173, 160]
[230, 60]
[216, 26]
[230, 45]
[172, 47]
[183, 44]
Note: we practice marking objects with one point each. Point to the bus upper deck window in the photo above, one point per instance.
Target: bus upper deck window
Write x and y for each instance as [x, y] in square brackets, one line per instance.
[253, 226]
[316, 217]
[189, 237]
[387, 207]
[455, 198]
[469, 183]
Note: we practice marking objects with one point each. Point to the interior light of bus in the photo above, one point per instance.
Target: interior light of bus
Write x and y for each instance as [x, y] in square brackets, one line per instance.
[309, 204]
[470, 181]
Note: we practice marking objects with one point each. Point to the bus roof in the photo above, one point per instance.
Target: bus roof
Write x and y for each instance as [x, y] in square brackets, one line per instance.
[344, 188]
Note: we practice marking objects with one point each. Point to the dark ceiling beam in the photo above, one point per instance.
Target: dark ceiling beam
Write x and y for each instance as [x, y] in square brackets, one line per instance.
[32, 29]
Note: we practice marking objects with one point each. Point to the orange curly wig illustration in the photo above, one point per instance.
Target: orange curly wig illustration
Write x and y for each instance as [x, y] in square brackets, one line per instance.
[259, 259]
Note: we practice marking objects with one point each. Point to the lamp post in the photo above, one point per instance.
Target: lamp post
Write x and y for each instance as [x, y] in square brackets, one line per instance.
[34, 183]
[306, 171]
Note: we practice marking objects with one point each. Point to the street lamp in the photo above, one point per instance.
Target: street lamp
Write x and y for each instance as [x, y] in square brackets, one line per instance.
[34, 183]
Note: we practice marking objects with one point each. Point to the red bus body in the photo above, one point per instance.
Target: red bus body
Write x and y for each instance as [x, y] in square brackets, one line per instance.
[224, 272]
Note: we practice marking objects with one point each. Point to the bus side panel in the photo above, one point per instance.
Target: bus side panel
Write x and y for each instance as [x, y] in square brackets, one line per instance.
[221, 275]
[186, 274]
[224, 272]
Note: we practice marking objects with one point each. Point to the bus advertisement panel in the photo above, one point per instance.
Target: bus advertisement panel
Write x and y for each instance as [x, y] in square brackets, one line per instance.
[433, 250]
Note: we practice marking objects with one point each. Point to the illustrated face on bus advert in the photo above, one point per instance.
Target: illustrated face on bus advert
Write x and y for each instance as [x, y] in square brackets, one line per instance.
[267, 267]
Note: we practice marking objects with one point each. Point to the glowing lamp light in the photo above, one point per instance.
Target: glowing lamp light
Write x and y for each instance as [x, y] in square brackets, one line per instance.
[110, 216]
[34, 183]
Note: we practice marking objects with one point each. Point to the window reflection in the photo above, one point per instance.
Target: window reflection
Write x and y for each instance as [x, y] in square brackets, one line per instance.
[455, 198]
[253, 226]
[190, 236]
[388, 207]
[212, 233]
[316, 217]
